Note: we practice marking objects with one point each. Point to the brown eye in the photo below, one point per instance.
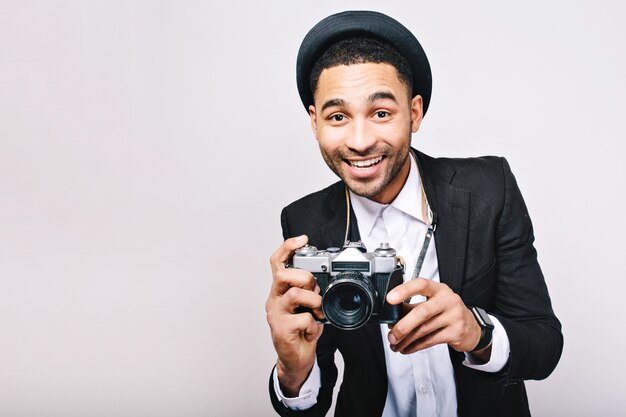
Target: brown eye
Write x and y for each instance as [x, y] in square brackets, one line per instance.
[337, 117]
[382, 114]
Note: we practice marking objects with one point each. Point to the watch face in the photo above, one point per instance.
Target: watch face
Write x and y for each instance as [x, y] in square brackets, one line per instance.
[482, 317]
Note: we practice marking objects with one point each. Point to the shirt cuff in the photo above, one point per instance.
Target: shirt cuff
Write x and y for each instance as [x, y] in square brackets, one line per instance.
[307, 397]
[500, 349]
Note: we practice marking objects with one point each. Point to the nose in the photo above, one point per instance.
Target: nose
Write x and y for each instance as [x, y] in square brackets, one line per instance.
[360, 138]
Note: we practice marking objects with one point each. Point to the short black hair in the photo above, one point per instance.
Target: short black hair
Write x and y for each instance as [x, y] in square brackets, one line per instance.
[361, 50]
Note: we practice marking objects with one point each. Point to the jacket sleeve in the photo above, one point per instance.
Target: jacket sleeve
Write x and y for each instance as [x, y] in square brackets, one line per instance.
[325, 353]
[522, 303]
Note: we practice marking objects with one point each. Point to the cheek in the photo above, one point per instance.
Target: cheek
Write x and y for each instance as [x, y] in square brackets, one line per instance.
[395, 135]
[330, 138]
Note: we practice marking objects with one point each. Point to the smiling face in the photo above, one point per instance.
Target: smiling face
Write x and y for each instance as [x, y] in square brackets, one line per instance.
[363, 119]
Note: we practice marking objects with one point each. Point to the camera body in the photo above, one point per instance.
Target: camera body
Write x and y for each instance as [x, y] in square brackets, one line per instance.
[354, 283]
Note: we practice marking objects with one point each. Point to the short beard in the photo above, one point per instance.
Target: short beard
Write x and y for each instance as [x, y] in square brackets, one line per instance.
[367, 189]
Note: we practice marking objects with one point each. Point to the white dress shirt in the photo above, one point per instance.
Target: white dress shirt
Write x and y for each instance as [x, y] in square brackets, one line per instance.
[422, 383]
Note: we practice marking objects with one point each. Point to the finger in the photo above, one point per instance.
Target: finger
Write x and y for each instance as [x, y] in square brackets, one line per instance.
[406, 290]
[291, 277]
[443, 315]
[421, 332]
[448, 332]
[305, 325]
[416, 316]
[435, 338]
[285, 251]
[312, 336]
[443, 300]
[288, 294]
[311, 330]
[297, 297]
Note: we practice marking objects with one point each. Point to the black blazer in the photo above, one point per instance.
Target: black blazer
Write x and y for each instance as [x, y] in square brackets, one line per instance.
[484, 240]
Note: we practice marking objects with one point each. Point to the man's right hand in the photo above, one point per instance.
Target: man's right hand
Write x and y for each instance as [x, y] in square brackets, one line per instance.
[294, 334]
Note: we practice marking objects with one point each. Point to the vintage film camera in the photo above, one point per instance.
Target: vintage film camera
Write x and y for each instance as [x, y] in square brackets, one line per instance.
[354, 283]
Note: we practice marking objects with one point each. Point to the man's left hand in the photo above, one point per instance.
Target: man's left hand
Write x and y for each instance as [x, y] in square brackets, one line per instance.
[442, 318]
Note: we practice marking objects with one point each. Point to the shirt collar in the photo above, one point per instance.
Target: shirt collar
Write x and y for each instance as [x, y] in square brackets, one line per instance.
[410, 201]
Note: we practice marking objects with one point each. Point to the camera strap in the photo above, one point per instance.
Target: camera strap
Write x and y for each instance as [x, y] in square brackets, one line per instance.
[422, 255]
[348, 210]
[432, 217]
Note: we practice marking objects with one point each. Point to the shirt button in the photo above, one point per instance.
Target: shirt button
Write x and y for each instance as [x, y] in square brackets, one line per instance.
[423, 389]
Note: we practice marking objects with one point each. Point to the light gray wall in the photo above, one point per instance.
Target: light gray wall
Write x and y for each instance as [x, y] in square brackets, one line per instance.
[146, 149]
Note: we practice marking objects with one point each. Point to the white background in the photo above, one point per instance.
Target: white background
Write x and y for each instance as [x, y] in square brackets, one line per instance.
[147, 147]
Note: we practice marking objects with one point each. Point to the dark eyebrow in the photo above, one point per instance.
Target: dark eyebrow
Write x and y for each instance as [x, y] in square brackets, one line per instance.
[335, 102]
[381, 95]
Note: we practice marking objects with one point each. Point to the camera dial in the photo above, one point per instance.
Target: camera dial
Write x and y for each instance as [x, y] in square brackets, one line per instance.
[385, 251]
[306, 250]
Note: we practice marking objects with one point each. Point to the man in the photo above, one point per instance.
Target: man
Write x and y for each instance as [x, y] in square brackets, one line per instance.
[479, 319]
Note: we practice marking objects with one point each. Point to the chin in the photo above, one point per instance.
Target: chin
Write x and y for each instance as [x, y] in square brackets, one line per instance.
[368, 190]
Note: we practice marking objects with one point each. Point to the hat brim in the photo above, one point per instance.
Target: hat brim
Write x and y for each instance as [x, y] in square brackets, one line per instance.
[362, 23]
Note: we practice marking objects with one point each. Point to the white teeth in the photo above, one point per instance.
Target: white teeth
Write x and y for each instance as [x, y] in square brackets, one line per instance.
[367, 163]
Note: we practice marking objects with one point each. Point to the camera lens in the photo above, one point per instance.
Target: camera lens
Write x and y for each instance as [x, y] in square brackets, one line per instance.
[349, 300]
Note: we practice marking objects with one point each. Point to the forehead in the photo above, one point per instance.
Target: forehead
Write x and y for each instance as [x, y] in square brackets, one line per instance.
[358, 81]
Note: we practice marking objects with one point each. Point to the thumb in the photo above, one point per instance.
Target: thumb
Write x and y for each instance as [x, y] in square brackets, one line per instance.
[313, 336]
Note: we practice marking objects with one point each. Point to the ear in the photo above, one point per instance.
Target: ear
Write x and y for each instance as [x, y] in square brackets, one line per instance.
[313, 117]
[417, 113]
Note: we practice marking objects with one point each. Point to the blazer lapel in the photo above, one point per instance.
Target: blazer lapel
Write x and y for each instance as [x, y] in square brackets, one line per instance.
[332, 232]
[451, 205]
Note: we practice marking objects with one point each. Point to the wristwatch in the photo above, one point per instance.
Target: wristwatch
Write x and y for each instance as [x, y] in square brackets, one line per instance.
[486, 326]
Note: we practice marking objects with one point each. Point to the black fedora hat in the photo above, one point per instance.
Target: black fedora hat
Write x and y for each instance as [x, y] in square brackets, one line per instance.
[362, 23]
